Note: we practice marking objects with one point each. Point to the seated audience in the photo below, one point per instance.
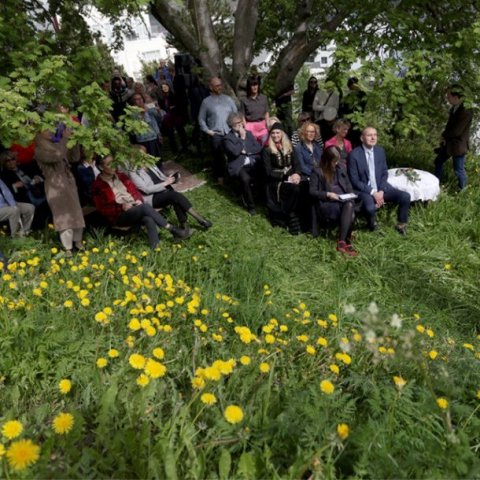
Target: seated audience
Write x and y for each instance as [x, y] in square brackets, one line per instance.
[243, 153]
[85, 174]
[19, 215]
[118, 200]
[24, 188]
[157, 191]
[368, 172]
[308, 151]
[328, 181]
[339, 140]
[282, 171]
[302, 118]
[255, 109]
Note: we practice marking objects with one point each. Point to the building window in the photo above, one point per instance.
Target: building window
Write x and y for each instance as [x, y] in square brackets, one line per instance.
[324, 60]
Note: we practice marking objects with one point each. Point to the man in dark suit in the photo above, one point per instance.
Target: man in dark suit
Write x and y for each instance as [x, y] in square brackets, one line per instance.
[243, 152]
[455, 137]
[368, 172]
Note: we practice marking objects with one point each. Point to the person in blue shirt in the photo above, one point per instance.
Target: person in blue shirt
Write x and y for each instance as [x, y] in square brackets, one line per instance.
[19, 215]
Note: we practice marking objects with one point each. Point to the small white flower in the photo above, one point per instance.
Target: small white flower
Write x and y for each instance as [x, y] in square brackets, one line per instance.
[396, 321]
[370, 336]
[349, 309]
[345, 346]
[372, 308]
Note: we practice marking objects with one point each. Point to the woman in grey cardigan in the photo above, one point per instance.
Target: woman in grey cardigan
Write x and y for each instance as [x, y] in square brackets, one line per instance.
[156, 188]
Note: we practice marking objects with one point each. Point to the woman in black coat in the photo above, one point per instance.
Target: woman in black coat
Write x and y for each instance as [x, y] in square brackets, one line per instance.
[282, 172]
[328, 183]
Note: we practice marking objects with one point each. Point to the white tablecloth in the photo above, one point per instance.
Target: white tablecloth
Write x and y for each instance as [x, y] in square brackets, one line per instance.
[427, 187]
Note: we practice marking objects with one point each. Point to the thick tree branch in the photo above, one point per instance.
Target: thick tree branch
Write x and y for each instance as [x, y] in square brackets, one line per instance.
[172, 16]
[210, 53]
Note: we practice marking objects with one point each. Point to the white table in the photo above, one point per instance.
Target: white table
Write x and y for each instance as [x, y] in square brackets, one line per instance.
[426, 187]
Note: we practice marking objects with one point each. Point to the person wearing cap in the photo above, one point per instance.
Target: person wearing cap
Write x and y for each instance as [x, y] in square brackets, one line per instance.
[454, 141]
[254, 107]
[283, 177]
[212, 119]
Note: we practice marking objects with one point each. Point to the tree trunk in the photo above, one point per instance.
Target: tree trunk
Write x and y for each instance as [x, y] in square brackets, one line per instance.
[246, 18]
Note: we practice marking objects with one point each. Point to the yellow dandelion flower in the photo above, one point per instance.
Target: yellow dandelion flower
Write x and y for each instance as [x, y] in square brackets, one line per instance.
[2, 450]
[208, 398]
[478, 394]
[100, 317]
[22, 454]
[233, 414]
[447, 266]
[65, 386]
[344, 357]
[327, 387]
[420, 328]
[323, 342]
[102, 362]
[12, 429]
[85, 302]
[302, 338]
[334, 368]
[68, 304]
[245, 360]
[212, 373]
[137, 361]
[430, 332]
[469, 346]
[433, 354]
[442, 403]
[264, 367]
[269, 339]
[134, 324]
[155, 369]
[310, 350]
[332, 317]
[343, 431]
[142, 380]
[399, 382]
[198, 383]
[113, 353]
[158, 353]
[63, 423]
